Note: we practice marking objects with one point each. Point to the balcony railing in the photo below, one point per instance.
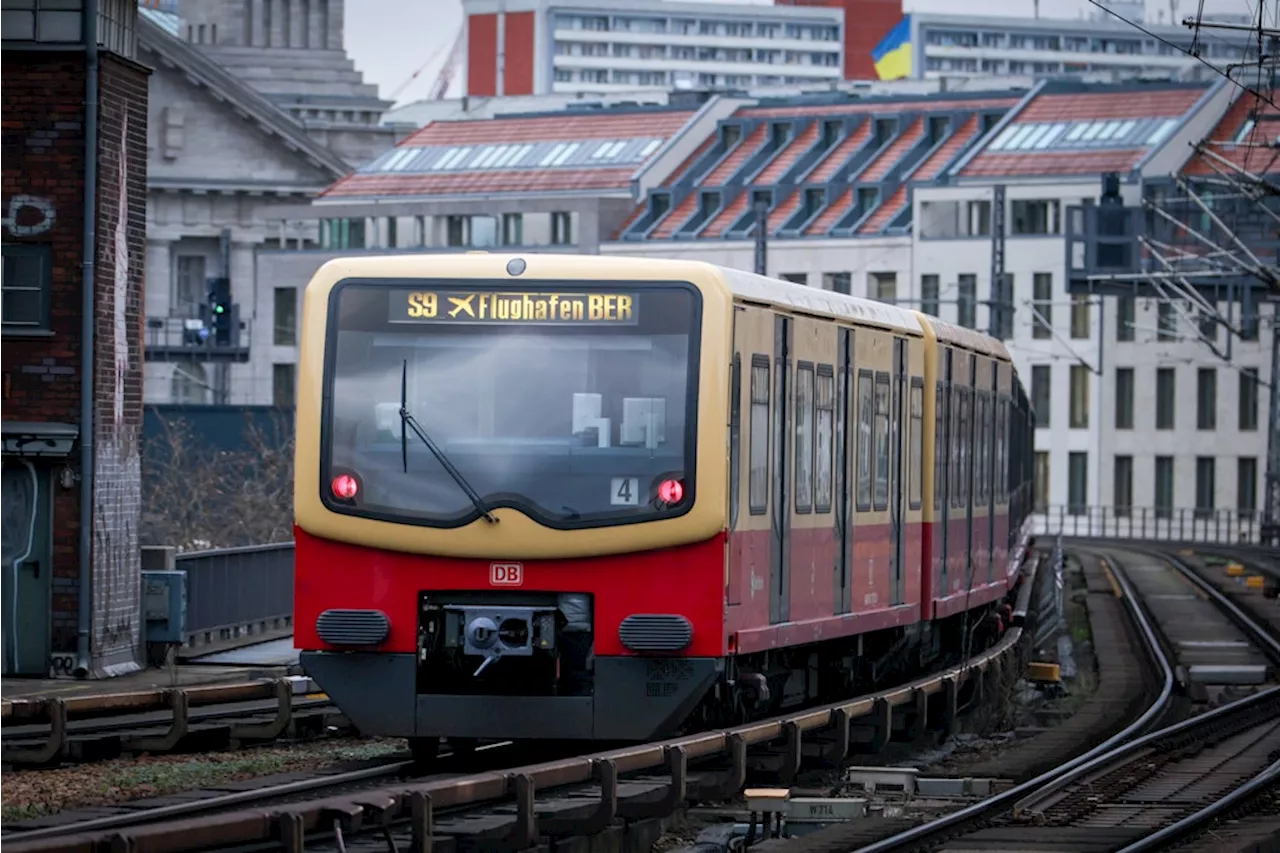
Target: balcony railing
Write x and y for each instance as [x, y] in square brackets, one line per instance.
[1220, 526]
[175, 338]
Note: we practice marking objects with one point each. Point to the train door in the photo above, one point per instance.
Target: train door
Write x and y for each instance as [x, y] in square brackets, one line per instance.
[897, 531]
[967, 415]
[844, 493]
[992, 455]
[943, 482]
[780, 511]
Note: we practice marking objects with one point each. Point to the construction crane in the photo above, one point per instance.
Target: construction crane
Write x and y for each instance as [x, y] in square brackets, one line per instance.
[445, 77]
[441, 84]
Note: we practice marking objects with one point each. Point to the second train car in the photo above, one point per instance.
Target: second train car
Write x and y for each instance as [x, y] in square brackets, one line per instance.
[596, 497]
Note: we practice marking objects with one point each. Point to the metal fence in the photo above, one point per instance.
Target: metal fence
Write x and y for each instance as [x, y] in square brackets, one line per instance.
[237, 592]
[1218, 526]
[1050, 609]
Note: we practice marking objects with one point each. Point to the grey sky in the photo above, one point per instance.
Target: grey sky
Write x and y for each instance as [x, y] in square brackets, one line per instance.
[391, 40]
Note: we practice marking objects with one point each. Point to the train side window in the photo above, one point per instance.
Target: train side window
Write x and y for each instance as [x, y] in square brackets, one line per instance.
[939, 445]
[999, 466]
[826, 422]
[758, 477]
[881, 495]
[957, 462]
[865, 412]
[979, 445]
[986, 437]
[735, 438]
[915, 490]
[804, 437]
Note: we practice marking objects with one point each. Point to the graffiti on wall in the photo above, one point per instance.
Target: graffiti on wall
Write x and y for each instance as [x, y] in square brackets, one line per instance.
[118, 471]
[29, 215]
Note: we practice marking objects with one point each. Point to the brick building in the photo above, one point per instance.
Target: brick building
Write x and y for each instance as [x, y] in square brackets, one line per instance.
[72, 414]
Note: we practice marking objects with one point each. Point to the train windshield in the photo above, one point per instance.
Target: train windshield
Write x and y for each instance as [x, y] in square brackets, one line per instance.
[575, 405]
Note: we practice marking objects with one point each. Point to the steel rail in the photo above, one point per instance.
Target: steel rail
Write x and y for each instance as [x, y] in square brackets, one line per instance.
[1262, 780]
[1016, 794]
[241, 827]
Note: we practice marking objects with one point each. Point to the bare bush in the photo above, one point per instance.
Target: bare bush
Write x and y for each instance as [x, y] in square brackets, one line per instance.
[196, 497]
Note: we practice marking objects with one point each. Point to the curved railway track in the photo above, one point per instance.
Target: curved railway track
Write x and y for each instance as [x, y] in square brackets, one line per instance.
[570, 796]
[1142, 789]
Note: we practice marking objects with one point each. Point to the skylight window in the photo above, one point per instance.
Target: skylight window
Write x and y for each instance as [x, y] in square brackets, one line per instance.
[1002, 140]
[1162, 131]
[517, 155]
[1053, 134]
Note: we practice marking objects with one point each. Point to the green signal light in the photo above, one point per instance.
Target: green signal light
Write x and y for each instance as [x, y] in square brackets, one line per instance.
[219, 309]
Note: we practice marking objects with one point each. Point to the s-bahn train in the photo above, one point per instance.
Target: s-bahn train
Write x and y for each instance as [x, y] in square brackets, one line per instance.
[611, 498]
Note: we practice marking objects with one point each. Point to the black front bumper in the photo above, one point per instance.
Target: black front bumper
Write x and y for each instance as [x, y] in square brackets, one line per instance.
[635, 699]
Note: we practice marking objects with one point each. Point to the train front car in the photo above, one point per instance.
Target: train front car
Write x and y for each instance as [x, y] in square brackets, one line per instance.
[510, 500]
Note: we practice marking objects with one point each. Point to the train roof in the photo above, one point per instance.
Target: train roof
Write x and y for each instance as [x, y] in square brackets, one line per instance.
[800, 297]
[959, 336]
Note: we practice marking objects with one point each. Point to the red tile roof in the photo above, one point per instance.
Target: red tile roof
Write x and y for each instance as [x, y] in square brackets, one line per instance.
[560, 127]
[782, 214]
[885, 212]
[843, 151]
[724, 220]
[938, 160]
[729, 165]
[684, 167]
[833, 214]
[1099, 106]
[1052, 162]
[675, 218]
[883, 107]
[904, 142]
[1085, 106]
[1253, 154]
[467, 183]
[786, 158]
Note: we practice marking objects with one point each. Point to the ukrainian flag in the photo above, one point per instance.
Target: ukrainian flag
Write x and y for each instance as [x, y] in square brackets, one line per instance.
[892, 55]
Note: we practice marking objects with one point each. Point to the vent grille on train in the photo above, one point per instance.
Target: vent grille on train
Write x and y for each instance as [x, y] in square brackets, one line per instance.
[353, 627]
[655, 632]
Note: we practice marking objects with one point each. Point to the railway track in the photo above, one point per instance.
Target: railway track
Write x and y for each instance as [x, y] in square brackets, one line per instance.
[1143, 788]
[48, 731]
[514, 808]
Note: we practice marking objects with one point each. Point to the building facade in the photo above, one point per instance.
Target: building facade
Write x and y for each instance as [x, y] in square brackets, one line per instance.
[537, 47]
[253, 106]
[74, 196]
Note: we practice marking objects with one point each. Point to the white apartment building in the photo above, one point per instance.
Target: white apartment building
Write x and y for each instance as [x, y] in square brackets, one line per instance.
[600, 47]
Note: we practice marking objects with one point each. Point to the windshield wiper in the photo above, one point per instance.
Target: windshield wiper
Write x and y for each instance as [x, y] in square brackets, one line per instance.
[406, 419]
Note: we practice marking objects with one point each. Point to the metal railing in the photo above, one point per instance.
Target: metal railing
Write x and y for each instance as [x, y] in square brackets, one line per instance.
[1220, 526]
[237, 592]
[1050, 610]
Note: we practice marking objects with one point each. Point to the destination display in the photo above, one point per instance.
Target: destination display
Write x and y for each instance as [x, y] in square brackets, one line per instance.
[525, 308]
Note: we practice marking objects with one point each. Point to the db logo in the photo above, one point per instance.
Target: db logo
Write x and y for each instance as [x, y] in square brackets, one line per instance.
[506, 574]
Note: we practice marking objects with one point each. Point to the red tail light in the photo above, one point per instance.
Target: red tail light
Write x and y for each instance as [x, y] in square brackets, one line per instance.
[670, 491]
[345, 487]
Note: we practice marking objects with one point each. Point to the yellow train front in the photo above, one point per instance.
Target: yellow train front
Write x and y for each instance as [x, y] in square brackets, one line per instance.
[527, 492]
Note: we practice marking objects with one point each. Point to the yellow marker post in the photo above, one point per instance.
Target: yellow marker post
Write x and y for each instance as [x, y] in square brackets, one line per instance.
[1047, 673]
[1234, 570]
[1111, 579]
[1254, 582]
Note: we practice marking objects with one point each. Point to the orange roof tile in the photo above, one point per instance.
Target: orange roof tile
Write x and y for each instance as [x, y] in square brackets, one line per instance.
[833, 214]
[781, 215]
[724, 220]
[1052, 162]
[872, 106]
[1252, 154]
[675, 218]
[560, 127]
[465, 183]
[786, 158]
[885, 212]
[842, 152]
[729, 165]
[905, 140]
[1100, 106]
[945, 153]
[684, 167]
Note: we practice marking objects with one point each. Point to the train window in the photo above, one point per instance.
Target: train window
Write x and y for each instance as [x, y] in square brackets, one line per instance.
[735, 438]
[979, 443]
[916, 476]
[758, 476]
[984, 447]
[939, 445]
[881, 495]
[826, 421]
[865, 412]
[957, 461]
[804, 437]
